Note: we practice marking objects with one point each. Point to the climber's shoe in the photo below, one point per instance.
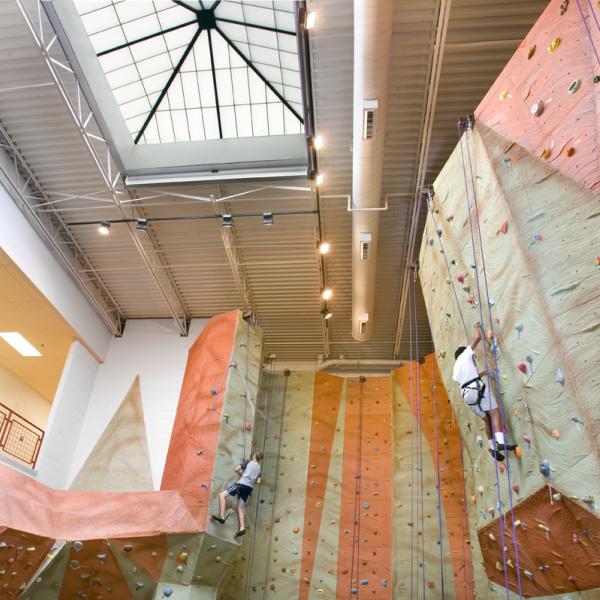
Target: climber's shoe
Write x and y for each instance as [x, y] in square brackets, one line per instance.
[218, 518]
[240, 533]
[497, 455]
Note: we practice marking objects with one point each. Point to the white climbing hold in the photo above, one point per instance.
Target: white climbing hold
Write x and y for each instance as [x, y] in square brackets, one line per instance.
[560, 378]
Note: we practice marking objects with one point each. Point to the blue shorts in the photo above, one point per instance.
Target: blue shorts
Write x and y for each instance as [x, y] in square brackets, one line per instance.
[241, 490]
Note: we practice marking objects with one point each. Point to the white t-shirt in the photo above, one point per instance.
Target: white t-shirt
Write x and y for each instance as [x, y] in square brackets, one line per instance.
[465, 368]
[251, 474]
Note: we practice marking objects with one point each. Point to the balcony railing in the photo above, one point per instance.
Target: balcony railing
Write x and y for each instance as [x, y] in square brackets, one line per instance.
[19, 437]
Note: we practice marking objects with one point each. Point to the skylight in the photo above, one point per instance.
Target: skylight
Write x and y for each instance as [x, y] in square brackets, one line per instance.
[200, 69]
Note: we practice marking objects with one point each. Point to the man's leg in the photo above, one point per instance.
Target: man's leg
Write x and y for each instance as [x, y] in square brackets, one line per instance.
[222, 498]
[241, 515]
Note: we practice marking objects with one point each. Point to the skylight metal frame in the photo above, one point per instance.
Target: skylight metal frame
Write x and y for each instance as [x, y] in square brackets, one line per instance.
[278, 155]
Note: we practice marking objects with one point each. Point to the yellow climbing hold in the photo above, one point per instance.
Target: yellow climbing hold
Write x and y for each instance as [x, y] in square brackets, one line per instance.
[554, 45]
[545, 153]
[503, 94]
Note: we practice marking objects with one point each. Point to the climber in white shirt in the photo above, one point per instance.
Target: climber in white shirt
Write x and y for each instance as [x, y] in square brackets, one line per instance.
[477, 395]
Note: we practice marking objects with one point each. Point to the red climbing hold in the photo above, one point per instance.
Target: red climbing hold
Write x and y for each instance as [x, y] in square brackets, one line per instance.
[522, 367]
[460, 278]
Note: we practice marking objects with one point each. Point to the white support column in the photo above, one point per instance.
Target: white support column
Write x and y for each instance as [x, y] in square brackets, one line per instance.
[66, 417]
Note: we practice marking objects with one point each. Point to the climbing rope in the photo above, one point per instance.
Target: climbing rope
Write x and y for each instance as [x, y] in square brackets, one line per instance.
[247, 396]
[355, 562]
[266, 420]
[276, 483]
[587, 27]
[412, 450]
[493, 346]
[439, 481]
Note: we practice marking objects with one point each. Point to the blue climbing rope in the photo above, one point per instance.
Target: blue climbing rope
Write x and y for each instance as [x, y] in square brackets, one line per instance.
[412, 450]
[493, 345]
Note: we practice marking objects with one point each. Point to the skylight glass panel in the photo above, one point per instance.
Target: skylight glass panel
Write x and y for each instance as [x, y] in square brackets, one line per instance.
[192, 70]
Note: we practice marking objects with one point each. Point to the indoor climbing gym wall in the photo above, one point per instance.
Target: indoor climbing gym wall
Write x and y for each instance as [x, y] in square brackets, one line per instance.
[125, 542]
[349, 506]
[511, 241]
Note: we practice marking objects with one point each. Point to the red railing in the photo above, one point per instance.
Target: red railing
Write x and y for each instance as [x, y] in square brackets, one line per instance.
[19, 437]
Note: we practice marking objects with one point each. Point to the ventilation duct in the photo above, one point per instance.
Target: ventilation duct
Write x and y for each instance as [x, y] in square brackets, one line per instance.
[372, 47]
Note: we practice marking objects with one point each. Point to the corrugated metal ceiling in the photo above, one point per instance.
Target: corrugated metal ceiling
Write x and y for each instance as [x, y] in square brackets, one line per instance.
[280, 263]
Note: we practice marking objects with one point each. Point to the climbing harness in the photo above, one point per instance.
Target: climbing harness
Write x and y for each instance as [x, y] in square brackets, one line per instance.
[466, 126]
[479, 387]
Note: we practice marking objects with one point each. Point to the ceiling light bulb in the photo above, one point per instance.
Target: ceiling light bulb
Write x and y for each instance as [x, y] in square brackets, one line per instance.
[319, 178]
[267, 218]
[327, 314]
[324, 247]
[227, 221]
[104, 228]
[318, 142]
[142, 224]
[327, 293]
[311, 19]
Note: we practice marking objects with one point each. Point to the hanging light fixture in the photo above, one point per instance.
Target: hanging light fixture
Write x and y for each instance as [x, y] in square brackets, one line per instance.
[311, 19]
[324, 247]
[327, 314]
[142, 224]
[227, 221]
[318, 142]
[104, 228]
[319, 179]
[267, 218]
[326, 293]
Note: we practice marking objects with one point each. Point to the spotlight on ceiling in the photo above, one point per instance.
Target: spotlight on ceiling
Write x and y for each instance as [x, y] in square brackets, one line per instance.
[326, 293]
[327, 314]
[324, 247]
[267, 218]
[104, 228]
[318, 142]
[227, 221]
[311, 19]
[142, 224]
[319, 178]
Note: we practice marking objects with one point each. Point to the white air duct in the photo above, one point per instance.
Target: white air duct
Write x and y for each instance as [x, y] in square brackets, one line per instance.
[372, 47]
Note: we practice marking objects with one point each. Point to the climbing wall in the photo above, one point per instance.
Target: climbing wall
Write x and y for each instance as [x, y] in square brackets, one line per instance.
[142, 545]
[334, 508]
[534, 172]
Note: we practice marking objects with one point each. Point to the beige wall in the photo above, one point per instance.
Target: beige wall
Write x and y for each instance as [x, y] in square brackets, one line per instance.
[18, 396]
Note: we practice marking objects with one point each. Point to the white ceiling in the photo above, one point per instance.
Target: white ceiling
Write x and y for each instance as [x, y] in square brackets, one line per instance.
[278, 265]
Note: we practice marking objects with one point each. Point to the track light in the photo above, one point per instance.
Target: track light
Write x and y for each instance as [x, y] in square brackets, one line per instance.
[311, 19]
[327, 314]
[227, 221]
[326, 293]
[319, 179]
[324, 247]
[318, 142]
[267, 218]
[104, 228]
[142, 224]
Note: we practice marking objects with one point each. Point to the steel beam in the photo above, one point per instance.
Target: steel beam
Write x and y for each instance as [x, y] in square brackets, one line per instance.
[84, 118]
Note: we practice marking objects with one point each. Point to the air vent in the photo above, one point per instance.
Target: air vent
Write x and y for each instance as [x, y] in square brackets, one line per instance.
[369, 114]
[363, 319]
[365, 245]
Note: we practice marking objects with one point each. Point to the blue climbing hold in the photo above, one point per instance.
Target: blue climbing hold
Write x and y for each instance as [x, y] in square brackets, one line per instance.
[560, 377]
[366, 505]
[545, 468]
[214, 391]
[167, 592]
[384, 583]
[439, 232]
[431, 241]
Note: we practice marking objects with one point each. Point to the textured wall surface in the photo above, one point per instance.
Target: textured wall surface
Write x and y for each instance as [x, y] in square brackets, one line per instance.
[540, 236]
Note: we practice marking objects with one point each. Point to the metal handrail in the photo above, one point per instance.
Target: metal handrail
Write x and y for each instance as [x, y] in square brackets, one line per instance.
[19, 437]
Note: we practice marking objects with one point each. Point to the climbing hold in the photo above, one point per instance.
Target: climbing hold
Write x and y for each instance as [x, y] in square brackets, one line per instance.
[460, 278]
[596, 78]
[364, 582]
[366, 505]
[545, 153]
[470, 298]
[439, 232]
[528, 574]
[522, 367]
[554, 45]
[504, 227]
[77, 546]
[519, 329]
[563, 7]
[556, 434]
[537, 108]
[74, 564]
[182, 557]
[480, 490]
[248, 426]
[449, 218]
[479, 440]
[545, 467]
[575, 85]
[179, 568]
[167, 592]
[516, 488]
[139, 585]
[531, 52]
[213, 391]
[560, 378]
[557, 497]
[503, 95]
[492, 537]
[588, 499]
[518, 452]
[431, 241]
[570, 151]
[296, 530]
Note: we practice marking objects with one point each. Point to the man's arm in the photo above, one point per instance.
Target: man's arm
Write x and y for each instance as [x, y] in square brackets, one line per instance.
[478, 335]
[259, 480]
[239, 470]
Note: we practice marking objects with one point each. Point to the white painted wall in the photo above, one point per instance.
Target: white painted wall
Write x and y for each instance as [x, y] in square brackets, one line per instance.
[21, 398]
[154, 350]
[21, 242]
[66, 417]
